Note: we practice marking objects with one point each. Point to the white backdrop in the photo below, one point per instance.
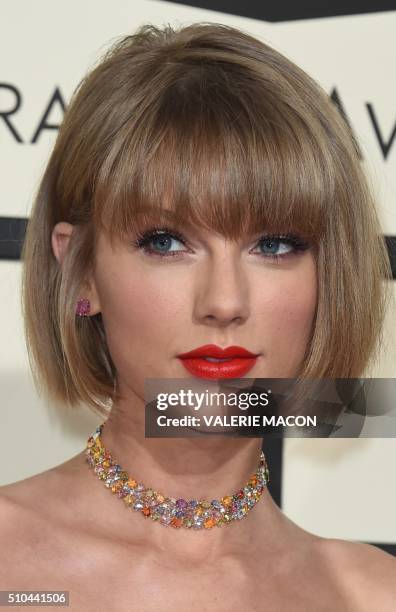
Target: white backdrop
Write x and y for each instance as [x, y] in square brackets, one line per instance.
[336, 488]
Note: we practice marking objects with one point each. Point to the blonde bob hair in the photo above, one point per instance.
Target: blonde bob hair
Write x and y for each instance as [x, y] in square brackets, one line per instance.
[215, 128]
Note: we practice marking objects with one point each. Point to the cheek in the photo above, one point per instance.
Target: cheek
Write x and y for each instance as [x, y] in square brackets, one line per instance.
[288, 314]
[134, 315]
[295, 318]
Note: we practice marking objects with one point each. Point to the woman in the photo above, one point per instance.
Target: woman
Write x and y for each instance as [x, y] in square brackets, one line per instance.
[203, 190]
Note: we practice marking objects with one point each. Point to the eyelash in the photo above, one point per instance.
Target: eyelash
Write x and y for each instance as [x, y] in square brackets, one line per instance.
[144, 238]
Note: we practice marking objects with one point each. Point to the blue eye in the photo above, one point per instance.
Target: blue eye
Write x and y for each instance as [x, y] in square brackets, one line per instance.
[157, 241]
[163, 242]
[273, 244]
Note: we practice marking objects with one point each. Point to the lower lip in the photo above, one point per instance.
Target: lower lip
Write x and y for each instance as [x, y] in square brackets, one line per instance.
[234, 368]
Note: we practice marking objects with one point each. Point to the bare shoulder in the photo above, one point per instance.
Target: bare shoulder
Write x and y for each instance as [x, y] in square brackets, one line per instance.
[18, 530]
[365, 572]
[22, 503]
[15, 505]
[27, 495]
[31, 519]
[8, 513]
[37, 495]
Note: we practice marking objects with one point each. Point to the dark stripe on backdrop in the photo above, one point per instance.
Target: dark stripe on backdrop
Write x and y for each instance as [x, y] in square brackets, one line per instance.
[12, 233]
[289, 10]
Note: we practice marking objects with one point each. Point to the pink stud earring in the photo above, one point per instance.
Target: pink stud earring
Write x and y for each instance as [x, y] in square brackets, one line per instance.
[83, 307]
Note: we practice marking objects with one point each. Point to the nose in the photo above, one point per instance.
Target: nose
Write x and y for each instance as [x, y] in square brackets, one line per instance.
[222, 295]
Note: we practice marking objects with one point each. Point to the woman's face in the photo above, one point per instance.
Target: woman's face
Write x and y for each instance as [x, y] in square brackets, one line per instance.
[173, 293]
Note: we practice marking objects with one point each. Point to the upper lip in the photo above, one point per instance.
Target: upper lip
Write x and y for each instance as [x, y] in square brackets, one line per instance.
[212, 350]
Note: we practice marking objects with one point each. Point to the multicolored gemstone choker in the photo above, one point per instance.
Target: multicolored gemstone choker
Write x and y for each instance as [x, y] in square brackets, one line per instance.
[195, 513]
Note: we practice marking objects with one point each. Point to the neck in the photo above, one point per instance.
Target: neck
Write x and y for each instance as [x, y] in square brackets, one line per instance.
[188, 468]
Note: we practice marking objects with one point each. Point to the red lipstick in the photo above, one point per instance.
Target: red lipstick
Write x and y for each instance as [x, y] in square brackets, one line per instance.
[238, 361]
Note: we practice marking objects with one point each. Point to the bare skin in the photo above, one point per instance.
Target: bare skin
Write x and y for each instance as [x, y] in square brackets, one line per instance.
[62, 529]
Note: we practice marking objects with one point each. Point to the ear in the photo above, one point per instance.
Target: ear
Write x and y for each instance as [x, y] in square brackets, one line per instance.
[60, 237]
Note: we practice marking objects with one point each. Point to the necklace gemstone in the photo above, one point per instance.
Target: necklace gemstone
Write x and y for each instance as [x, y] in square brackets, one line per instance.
[191, 514]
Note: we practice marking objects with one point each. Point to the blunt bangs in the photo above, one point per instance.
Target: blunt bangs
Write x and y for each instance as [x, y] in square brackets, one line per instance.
[216, 156]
